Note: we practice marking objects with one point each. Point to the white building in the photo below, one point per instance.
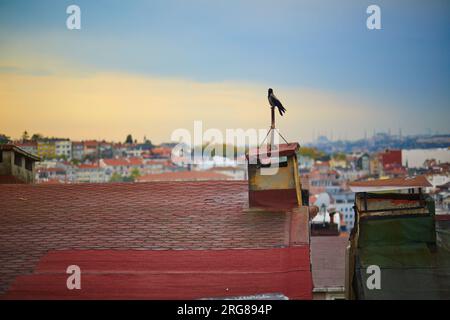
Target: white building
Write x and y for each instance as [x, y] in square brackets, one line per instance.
[90, 173]
[415, 158]
[63, 148]
[77, 150]
[343, 203]
[437, 180]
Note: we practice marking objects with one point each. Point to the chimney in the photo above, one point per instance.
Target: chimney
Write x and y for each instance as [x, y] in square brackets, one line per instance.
[273, 179]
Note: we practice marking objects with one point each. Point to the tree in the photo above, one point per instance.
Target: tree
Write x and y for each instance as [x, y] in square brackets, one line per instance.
[37, 136]
[4, 139]
[115, 177]
[25, 136]
[135, 174]
[339, 156]
[312, 153]
[129, 139]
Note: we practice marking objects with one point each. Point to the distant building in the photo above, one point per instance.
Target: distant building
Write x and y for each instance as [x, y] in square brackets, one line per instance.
[375, 166]
[90, 148]
[106, 150]
[305, 162]
[63, 148]
[77, 150]
[52, 173]
[161, 152]
[90, 173]
[343, 203]
[119, 166]
[363, 162]
[27, 146]
[46, 148]
[134, 150]
[415, 158]
[16, 165]
[322, 179]
[338, 163]
[391, 158]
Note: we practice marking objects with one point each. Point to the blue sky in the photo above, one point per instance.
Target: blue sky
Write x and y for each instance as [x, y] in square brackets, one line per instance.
[320, 45]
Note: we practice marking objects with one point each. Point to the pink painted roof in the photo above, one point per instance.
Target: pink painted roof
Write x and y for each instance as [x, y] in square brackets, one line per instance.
[116, 162]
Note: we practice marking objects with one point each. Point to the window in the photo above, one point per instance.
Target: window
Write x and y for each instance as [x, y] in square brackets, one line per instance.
[29, 164]
[17, 159]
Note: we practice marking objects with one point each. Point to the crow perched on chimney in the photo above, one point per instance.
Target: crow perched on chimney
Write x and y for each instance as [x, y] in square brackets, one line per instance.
[274, 102]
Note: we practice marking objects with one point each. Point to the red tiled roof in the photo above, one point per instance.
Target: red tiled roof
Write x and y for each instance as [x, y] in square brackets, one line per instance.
[135, 161]
[116, 162]
[90, 143]
[190, 217]
[161, 151]
[184, 176]
[328, 261]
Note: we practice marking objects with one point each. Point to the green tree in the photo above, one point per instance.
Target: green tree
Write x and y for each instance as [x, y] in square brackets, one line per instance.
[37, 136]
[135, 174]
[312, 153]
[339, 156]
[129, 139]
[115, 177]
[4, 139]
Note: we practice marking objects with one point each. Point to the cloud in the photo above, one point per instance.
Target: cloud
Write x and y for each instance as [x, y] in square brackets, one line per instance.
[111, 105]
[24, 71]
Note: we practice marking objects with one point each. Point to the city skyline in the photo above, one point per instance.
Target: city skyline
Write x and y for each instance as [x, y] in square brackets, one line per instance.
[175, 63]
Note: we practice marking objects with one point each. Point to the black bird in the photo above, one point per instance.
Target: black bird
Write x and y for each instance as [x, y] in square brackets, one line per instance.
[274, 102]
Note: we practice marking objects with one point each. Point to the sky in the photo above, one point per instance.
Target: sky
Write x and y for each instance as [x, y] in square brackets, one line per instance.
[151, 67]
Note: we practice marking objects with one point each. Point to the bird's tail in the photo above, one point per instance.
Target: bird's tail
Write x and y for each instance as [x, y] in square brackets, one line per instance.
[282, 110]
